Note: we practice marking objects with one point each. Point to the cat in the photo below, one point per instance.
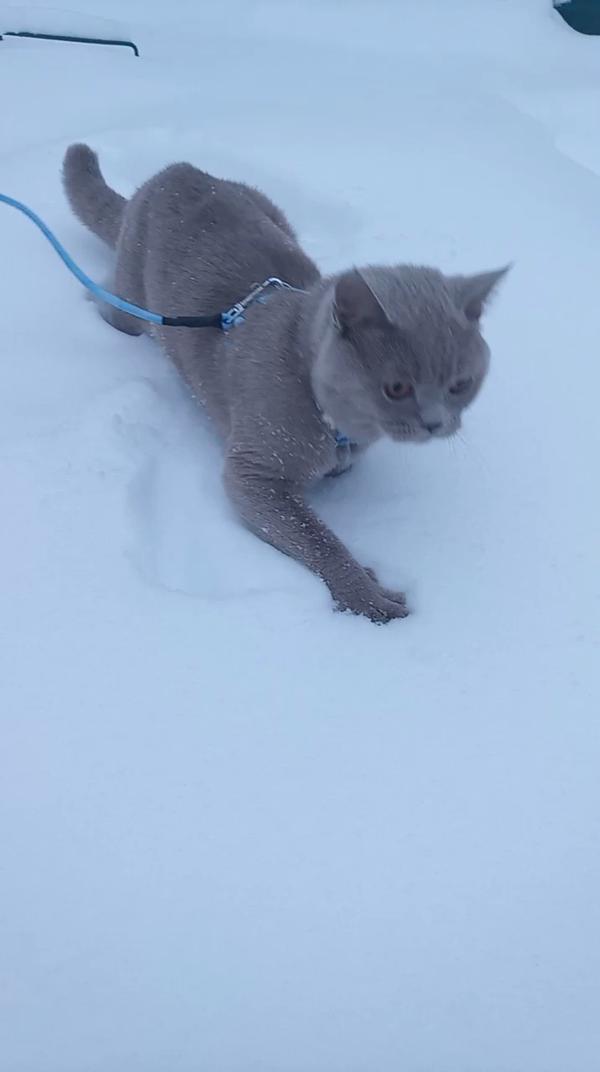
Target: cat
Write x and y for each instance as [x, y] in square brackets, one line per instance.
[310, 378]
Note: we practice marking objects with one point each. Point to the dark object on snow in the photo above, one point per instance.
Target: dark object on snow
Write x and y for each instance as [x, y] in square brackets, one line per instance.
[62, 37]
[581, 15]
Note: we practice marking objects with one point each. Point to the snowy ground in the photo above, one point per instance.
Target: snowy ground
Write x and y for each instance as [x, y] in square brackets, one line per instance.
[240, 833]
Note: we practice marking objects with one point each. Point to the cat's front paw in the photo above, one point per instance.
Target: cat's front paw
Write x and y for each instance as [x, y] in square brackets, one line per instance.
[372, 601]
[390, 593]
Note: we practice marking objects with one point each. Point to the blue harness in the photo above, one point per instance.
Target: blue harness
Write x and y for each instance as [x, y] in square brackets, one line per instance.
[230, 318]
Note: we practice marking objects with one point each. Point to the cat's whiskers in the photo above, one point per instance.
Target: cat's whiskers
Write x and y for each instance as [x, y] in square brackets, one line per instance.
[473, 452]
[452, 445]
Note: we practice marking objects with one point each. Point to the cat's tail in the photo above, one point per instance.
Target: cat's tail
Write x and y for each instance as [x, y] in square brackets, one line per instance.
[92, 200]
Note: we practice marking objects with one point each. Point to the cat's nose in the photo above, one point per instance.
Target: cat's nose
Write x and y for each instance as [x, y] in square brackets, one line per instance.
[433, 426]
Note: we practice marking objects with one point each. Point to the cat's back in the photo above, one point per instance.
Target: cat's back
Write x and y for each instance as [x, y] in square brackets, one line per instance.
[184, 201]
[227, 234]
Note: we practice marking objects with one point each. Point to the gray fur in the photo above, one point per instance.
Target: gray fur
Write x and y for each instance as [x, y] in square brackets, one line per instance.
[300, 367]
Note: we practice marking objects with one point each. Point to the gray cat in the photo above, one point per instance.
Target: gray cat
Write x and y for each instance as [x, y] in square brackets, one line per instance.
[310, 378]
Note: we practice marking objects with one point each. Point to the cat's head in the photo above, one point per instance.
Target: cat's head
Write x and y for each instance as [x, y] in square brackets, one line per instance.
[401, 353]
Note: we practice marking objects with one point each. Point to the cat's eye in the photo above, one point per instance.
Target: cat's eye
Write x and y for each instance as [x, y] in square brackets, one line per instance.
[397, 391]
[461, 386]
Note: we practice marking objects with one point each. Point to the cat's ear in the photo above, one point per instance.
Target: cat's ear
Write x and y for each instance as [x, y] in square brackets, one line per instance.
[473, 292]
[355, 304]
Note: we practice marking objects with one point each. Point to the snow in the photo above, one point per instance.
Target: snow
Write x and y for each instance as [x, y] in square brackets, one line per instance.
[240, 832]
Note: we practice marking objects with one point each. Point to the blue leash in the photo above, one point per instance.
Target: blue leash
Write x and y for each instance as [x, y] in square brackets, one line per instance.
[224, 321]
[228, 319]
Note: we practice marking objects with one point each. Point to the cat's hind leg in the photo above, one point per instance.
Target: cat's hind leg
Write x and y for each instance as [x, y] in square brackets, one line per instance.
[118, 318]
[126, 282]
